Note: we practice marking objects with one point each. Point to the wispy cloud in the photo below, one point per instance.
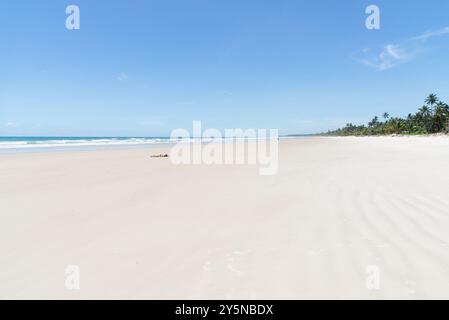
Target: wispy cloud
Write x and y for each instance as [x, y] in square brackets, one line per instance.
[431, 34]
[389, 56]
[394, 54]
[122, 76]
[10, 125]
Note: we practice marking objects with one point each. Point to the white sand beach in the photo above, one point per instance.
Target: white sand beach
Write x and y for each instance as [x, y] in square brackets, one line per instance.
[142, 228]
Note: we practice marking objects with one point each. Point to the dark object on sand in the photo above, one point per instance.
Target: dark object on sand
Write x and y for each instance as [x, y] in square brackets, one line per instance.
[159, 155]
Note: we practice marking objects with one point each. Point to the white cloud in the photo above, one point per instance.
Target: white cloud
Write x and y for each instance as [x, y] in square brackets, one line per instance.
[122, 76]
[431, 34]
[389, 56]
[10, 125]
[394, 54]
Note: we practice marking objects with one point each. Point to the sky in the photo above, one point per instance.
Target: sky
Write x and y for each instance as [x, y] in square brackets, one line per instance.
[145, 68]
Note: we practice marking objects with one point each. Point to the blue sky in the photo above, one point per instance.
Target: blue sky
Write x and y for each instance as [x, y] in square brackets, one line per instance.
[143, 68]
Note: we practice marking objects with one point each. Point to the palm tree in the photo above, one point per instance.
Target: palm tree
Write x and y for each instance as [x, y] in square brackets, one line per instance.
[433, 117]
[445, 107]
[424, 118]
[431, 99]
[440, 118]
[424, 110]
[374, 122]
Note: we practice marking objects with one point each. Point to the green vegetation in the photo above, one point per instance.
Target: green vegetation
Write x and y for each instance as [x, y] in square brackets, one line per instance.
[433, 117]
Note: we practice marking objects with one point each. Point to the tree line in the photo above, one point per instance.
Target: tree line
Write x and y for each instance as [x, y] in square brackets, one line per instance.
[432, 117]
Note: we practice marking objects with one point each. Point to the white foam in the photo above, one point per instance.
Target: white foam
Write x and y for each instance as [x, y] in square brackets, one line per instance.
[26, 144]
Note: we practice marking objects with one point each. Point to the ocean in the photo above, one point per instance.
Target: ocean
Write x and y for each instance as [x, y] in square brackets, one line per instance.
[30, 144]
[44, 144]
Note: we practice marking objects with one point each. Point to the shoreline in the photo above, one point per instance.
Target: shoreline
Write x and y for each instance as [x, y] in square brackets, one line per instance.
[74, 149]
[156, 145]
[167, 145]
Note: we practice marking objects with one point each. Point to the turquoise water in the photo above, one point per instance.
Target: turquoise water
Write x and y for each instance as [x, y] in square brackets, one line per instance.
[24, 144]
